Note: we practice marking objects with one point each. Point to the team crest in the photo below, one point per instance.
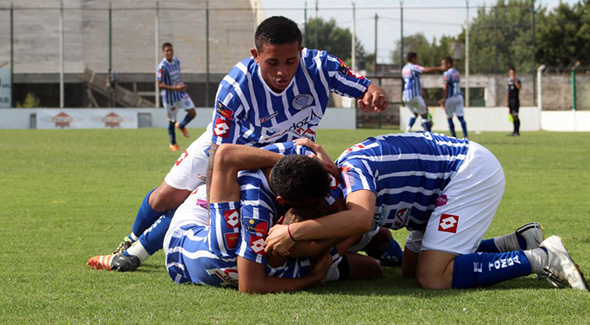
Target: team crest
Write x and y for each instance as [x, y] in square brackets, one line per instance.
[257, 227]
[302, 101]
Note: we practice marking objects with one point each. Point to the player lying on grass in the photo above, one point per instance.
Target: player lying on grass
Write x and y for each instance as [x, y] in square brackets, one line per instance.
[279, 94]
[446, 191]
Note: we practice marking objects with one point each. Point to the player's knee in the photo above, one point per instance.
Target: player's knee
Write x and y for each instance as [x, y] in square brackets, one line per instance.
[431, 280]
[166, 200]
[192, 113]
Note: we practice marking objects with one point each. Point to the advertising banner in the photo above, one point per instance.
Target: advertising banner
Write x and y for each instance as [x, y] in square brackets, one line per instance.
[86, 119]
[5, 88]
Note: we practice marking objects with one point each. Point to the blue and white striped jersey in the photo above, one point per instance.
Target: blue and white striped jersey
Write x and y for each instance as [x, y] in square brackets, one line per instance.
[452, 78]
[406, 171]
[248, 112]
[411, 75]
[169, 74]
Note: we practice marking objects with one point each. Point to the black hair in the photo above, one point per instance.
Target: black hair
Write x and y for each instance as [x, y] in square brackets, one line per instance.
[448, 60]
[410, 56]
[277, 30]
[299, 179]
[299, 214]
[165, 45]
[512, 68]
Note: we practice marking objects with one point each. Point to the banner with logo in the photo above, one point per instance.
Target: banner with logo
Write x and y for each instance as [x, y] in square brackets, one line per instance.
[86, 119]
[5, 88]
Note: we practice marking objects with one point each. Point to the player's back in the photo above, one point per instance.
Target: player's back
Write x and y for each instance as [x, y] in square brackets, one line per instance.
[453, 79]
[411, 76]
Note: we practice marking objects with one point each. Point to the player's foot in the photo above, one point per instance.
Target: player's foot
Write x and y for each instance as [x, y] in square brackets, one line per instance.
[561, 270]
[101, 262]
[407, 129]
[532, 233]
[183, 130]
[174, 147]
[125, 243]
[114, 262]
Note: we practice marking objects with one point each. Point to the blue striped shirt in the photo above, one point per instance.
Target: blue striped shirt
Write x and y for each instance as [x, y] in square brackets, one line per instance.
[248, 112]
[169, 74]
[406, 171]
[452, 78]
[411, 75]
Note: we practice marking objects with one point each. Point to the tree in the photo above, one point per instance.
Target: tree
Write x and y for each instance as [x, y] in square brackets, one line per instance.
[429, 54]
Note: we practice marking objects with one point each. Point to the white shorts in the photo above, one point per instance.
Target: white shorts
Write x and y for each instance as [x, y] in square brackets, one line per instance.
[470, 201]
[416, 105]
[185, 103]
[190, 169]
[454, 106]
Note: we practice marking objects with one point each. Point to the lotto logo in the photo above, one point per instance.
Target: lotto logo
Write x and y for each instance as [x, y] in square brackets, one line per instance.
[181, 158]
[448, 223]
[221, 128]
[257, 244]
[232, 218]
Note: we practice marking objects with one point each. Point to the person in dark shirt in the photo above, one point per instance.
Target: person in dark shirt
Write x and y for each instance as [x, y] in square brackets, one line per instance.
[512, 101]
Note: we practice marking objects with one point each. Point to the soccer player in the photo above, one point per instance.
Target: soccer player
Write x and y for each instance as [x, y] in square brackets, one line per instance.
[452, 100]
[412, 94]
[512, 101]
[174, 96]
[279, 94]
[446, 191]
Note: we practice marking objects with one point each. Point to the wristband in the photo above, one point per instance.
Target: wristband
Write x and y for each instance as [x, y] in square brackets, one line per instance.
[289, 231]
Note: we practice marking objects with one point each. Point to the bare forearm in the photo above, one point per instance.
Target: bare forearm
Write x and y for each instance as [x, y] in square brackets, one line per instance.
[253, 279]
[312, 247]
[332, 226]
[210, 164]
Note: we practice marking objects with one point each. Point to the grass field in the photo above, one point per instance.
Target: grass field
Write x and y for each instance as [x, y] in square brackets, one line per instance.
[66, 195]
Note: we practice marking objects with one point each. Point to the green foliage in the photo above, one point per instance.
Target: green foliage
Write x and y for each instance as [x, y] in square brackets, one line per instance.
[31, 101]
[429, 53]
[70, 194]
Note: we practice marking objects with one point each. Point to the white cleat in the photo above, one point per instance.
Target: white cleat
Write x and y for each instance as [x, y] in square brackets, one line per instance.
[561, 270]
[532, 233]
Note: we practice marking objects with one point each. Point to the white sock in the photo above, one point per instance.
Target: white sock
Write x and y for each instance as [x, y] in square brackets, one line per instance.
[133, 237]
[138, 250]
[507, 243]
[538, 259]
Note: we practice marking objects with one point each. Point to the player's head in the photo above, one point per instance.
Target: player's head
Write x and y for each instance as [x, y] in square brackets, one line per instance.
[277, 52]
[299, 180]
[412, 57]
[168, 51]
[447, 63]
[299, 214]
[512, 72]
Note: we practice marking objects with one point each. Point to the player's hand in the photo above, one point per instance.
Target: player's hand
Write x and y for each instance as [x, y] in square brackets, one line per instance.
[182, 87]
[375, 99]
[278, 241]
[321, 154]
[321, 266]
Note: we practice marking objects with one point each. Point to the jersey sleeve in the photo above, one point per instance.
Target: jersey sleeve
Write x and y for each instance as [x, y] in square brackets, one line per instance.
[225, 128]
[447, 78]
[356, 176]
[343, 80]
[418, 69]
[162, 74]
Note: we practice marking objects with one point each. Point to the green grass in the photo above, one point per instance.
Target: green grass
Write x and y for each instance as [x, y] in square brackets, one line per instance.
[66, 195]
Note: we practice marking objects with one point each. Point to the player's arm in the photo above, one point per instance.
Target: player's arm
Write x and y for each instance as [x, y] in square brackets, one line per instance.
[163, 85]
[355, 220]
[431, 69]
[321, 154]
[517, 84]
[253, 278]
[507, 100]
[445, 93]
[312, 247]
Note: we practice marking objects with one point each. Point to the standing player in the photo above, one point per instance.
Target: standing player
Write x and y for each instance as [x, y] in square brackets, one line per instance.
[412, 94]
[512, 101]
[446, 191]
[278, 95]
[452, 100]
[174, 96]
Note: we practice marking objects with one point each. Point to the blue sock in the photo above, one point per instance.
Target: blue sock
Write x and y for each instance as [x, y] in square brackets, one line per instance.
[146, 216]
[487, 246]
[452, 127]
[185, 121]
[485, 269]
[153, 238]
[171, 133]
[426, 125]
[392, 254]
[463, 125]
[412, 121]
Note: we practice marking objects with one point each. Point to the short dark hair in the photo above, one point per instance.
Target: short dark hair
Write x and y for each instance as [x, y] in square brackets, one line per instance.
[277, 30]
[512, 68]
[299, 179]
[299, 214]
[410, 56]
[448, 60]
[166, 45]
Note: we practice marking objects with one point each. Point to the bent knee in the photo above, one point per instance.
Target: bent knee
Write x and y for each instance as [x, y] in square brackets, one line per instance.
[433, 281]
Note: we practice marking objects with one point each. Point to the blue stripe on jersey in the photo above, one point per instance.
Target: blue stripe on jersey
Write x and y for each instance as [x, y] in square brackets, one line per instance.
[453, 79]
[407, 172]
[259, 116]
[411, 75]
[169, 74]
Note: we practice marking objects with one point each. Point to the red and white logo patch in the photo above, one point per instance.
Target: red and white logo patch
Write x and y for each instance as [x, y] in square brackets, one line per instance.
[231, 240]
[448, 223]
[221, 128]
[232, 218]
[257, 244]
[181, 158]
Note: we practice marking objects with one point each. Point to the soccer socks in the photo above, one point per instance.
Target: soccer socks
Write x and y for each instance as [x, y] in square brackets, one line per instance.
[185, 121]
[517, 126]
[485, 269]
[463, 125]
[153, 238]
[411, 122]
[507, 243]
[171, 133]
[452, 127]
[390, 255]
[426, 125]
[146, 216]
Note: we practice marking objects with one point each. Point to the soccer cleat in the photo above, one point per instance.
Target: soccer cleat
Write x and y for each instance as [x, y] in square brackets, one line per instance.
[174, 147]
[125, 243]
[561, 270]
[124, 263]
[407, 129]
[183, 130]
[101, 262]
[532, 233]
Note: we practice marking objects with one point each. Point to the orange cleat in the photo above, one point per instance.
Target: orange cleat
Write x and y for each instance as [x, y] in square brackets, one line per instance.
[101, 262]
[184, 131]
[174, 147]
